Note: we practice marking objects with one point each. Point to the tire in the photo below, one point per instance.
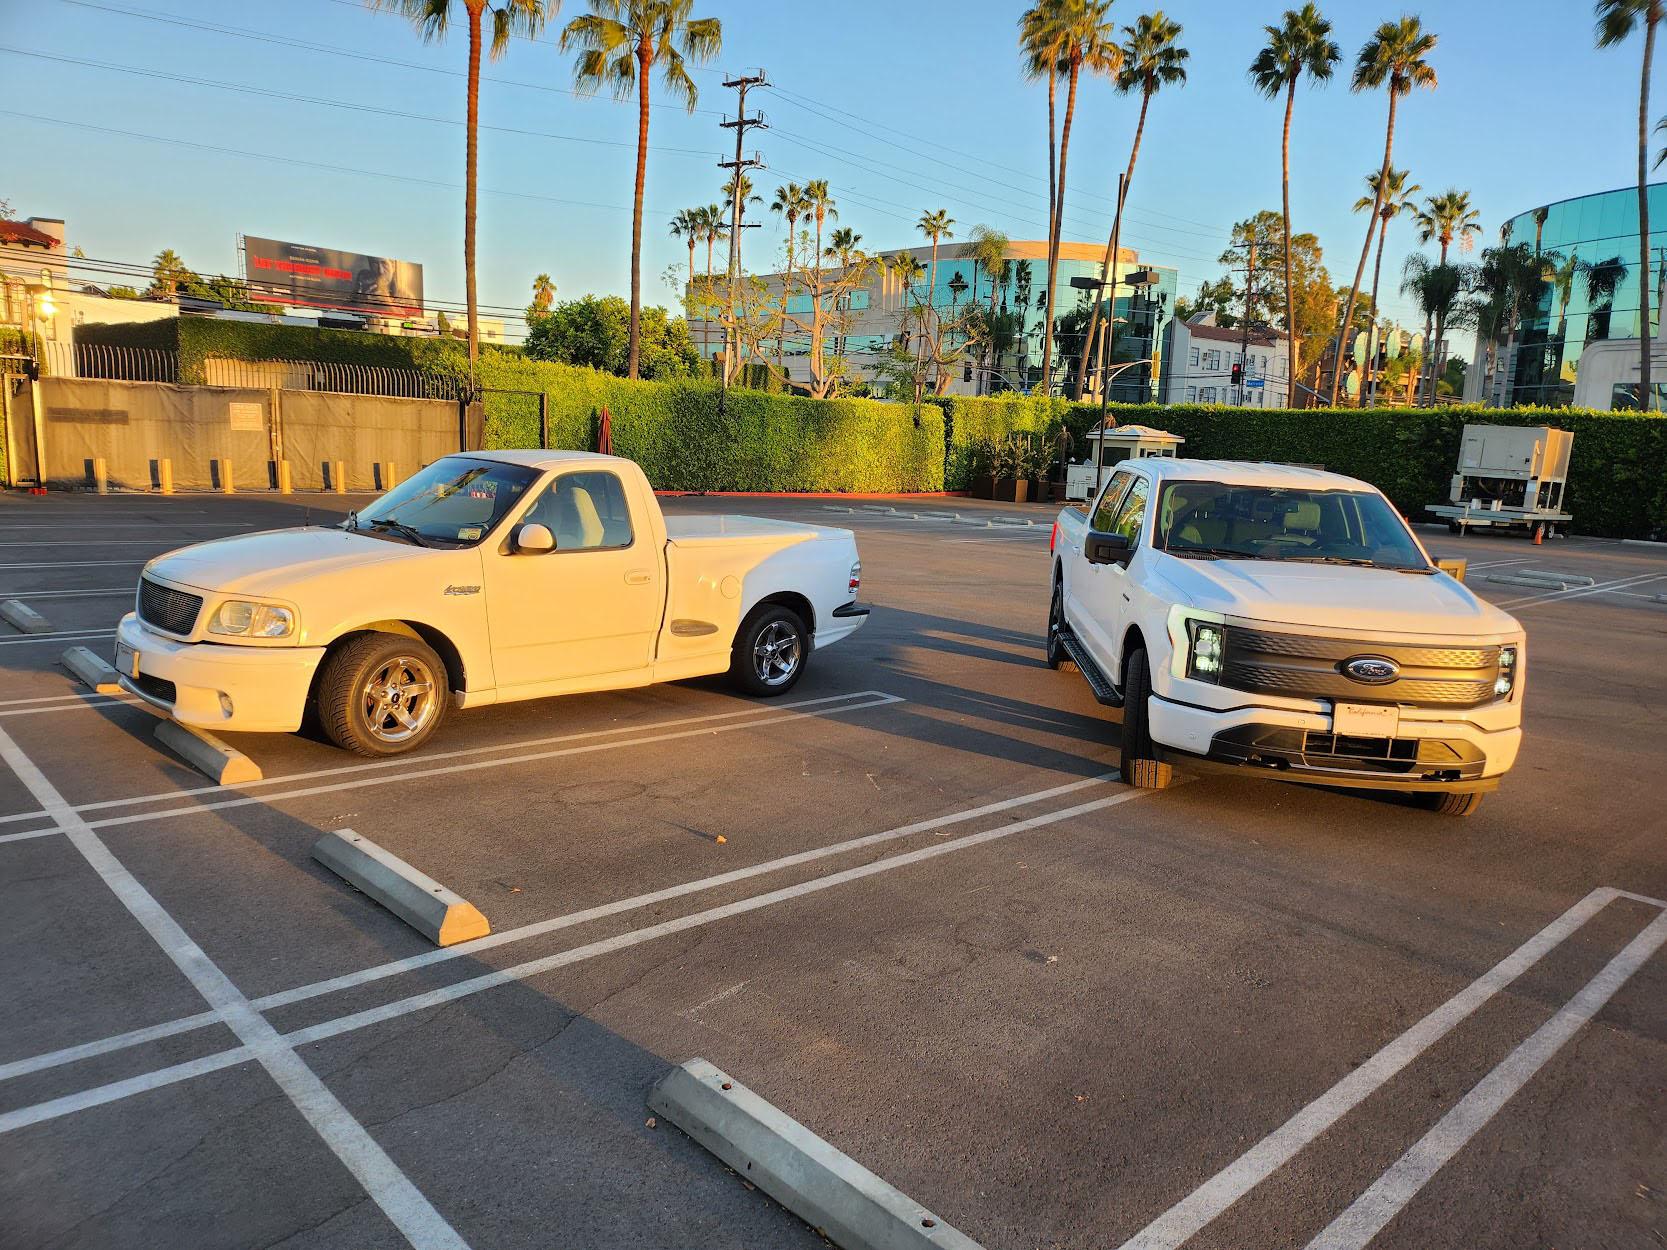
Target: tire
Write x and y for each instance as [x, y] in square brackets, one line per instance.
[770, 652]
[1051, 650]
[1138, 760]
[1452, 804]
[401, 678]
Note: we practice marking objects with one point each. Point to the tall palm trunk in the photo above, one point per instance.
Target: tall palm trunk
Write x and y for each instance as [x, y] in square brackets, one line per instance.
[1365, 251]
[645, 59]
[932, 307]
[1108, 268]
[1371, 338]
[1053, 196]
[471, 148]
[816, 310]
[1290, 282]
[1646, 395]
[786, 293]
[1059, 193]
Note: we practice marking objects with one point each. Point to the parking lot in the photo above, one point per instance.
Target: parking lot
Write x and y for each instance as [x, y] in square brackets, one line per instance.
[910, 904]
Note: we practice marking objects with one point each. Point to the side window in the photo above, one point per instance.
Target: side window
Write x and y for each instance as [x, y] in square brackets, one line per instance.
[1109, 499]
[585, 511]
[1131, 513]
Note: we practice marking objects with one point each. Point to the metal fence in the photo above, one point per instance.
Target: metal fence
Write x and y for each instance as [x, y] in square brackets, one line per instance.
[150, 364]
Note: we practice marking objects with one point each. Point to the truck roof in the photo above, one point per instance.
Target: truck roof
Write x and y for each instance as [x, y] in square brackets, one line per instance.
[535, 458]
[1246, 473]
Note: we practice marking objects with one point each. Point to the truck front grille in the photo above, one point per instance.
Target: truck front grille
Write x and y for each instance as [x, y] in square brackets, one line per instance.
[1302, 666]
[174, 611]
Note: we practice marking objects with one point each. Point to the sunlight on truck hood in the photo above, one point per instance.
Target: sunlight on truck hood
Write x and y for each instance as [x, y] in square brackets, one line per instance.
[1331, 596]
[275, 563]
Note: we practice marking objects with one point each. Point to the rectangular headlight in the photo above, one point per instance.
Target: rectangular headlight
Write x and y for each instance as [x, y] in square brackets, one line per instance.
[1506, 681]
[1207, 645]
[239, 618]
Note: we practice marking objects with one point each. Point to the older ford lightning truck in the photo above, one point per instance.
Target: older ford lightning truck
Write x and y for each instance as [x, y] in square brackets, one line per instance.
[487, 577]
[1283, 622]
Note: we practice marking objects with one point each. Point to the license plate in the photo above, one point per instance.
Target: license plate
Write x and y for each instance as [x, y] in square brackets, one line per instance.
[1365, 720]
[127, 660]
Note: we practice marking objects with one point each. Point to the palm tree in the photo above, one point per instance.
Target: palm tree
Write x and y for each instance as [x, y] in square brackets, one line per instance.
[1603, 282]
[1437, 290]
[1443, 219]
[1152, 58]
[1506, 288]
[1065, 37]
[989, 249]
[1394, 57]
[935, 226]
[544, 292]
[509, 18]
[1617, 19]
[168, 274]
[1301, 45]
[687, 226]
[1392, 197]
[790, 204]
[819, 207]
[619, 43]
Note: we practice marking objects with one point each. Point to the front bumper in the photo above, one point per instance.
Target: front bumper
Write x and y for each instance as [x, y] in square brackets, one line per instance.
[218, 686]
[1431, 752]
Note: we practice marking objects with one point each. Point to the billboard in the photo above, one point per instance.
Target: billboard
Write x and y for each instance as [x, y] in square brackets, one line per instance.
[317, 277]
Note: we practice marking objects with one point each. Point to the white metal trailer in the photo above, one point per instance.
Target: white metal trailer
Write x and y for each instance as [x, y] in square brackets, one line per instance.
[1511, 476]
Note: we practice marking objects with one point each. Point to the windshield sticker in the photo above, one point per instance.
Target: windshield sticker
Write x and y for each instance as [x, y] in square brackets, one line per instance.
[469, 533]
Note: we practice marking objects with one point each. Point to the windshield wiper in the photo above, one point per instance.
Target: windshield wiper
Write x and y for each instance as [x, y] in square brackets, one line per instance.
[1216, 553]
[410, 533]
[1356, 562]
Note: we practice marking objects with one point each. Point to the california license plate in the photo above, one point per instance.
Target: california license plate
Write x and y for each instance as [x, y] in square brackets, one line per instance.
[127, 660]
[1365, 720]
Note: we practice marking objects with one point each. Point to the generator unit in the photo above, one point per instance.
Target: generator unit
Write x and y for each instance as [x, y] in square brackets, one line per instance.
[1509, 475]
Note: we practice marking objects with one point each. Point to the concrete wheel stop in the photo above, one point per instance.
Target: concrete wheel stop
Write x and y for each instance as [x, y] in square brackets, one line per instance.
[441, 915]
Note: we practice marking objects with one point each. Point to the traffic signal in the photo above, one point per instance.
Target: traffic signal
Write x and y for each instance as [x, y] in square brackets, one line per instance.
[1238, 374]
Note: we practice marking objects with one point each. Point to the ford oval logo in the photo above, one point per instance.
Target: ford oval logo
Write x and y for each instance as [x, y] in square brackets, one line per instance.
[1372, 670]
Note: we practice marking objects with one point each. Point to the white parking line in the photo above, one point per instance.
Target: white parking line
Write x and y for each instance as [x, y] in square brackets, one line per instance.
[69, 635]
[1367, 1215]
[381, 1178]
[1250, 1169]
[397, 967]
[78, 564]
[67, 594]
[414, 766]
[103, 1094]
[6, 543]
[89, 702]
[1636, 579]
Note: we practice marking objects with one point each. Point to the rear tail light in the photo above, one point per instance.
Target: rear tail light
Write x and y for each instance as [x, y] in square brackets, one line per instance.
[856, 576]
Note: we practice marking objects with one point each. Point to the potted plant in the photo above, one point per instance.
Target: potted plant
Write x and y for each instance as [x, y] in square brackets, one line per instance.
[982, 454]
[1013, 467]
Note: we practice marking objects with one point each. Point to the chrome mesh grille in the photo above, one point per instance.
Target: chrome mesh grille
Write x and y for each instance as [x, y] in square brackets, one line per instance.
[174, 611]
[1303, 666]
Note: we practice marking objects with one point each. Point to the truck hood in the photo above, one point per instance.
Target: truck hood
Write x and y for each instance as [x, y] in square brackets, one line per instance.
[1334, 597]
[275, 563]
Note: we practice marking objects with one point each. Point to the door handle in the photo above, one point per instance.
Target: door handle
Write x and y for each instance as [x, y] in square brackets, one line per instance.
[638, 577]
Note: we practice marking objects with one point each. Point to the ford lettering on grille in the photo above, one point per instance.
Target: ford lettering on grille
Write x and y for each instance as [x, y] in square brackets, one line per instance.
[1371, 670]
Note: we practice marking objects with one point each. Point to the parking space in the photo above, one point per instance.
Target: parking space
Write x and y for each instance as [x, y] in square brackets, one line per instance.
[909, 903]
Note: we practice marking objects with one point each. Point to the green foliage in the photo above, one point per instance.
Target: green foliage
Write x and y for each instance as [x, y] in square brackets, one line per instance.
[596, 331]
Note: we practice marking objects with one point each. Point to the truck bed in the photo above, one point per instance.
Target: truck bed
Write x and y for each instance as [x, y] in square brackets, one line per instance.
[688, 530]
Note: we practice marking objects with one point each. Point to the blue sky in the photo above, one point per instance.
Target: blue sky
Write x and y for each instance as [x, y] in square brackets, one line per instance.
[902, 107]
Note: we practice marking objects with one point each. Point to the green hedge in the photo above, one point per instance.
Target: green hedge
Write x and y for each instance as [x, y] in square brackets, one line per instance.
[1617, 474]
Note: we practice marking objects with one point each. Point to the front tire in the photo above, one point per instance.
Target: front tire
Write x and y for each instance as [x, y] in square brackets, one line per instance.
[382, 694]
[1452, 804]
[1054, 653]
[770, 652]
[1138, 760]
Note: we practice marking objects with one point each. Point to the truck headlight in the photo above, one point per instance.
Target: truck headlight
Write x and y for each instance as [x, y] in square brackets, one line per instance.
[1206, 647]
[240, 618]
[1506, 681]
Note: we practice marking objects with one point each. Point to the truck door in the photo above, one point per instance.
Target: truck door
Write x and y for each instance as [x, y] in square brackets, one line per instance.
[1105, 592]
[590, 606]
[1086, 583]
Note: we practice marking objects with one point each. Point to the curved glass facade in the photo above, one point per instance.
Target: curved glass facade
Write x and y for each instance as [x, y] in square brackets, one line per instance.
[1590, 245]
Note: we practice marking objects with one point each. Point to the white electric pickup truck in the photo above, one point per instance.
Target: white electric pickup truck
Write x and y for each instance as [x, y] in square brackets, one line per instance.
[485, 578]
[1283, 622]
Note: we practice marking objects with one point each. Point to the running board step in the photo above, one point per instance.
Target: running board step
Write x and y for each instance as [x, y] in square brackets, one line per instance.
[1097, 681]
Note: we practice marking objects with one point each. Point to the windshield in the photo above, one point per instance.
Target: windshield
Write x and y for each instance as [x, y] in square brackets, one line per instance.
[453, 502]
[1215, 521]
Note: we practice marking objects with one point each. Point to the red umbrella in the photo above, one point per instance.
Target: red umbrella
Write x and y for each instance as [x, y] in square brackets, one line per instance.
[605, 434]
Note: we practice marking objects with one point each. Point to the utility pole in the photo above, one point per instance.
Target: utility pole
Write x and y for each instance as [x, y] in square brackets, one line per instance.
[1249, 303]
[740, 125]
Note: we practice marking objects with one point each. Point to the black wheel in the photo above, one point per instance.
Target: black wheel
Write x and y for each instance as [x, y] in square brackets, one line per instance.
[1056, 621]
[1452, 804]
[1453, 527]
[770, 652]
[1138, 760]
[382, 694]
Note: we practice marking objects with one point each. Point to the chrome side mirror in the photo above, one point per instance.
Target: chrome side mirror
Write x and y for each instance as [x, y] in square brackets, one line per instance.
[534, 539]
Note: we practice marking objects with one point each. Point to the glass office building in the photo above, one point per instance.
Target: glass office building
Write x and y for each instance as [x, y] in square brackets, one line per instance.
[1590, 247]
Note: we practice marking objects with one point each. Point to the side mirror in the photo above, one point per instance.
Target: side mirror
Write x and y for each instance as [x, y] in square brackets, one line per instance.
[534, 539]
[1102, 548]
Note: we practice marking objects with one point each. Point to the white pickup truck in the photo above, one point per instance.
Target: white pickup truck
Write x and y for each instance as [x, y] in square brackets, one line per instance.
[485, 578]
[1283, 622]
